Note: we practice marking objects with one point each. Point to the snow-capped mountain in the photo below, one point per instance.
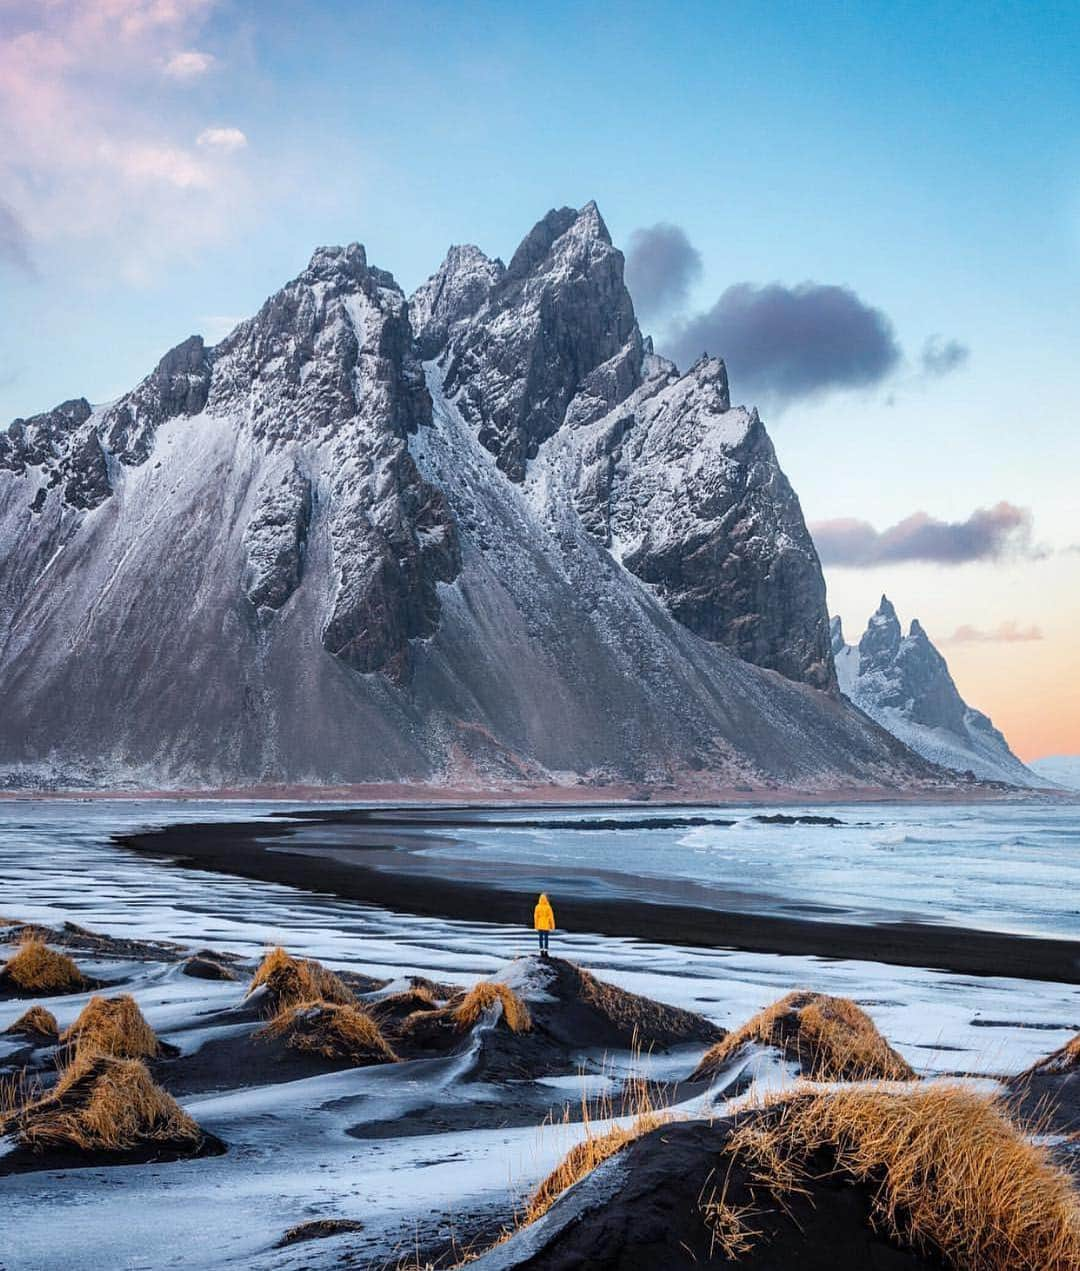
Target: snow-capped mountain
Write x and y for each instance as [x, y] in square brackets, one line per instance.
[480, 533]
[1061, 770]
[903, 682]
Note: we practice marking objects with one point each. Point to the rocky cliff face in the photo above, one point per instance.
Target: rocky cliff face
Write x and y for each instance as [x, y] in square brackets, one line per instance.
[685, 491]
[483, 533]
[903, 682]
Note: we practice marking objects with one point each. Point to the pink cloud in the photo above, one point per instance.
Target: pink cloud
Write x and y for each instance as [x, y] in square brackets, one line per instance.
[1003, 633]
[97, 145]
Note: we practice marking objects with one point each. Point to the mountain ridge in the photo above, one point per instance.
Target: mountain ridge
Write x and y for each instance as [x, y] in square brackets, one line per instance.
[904, 683]
[309, 554]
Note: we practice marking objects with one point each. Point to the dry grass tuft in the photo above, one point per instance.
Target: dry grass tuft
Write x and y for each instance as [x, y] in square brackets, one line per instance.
[17, 1089]
[37, 1022]
[290, 981]
[102, 1104]
[729, 1233]
[336, 1032]
[112, 1026]
[35, 968]
[830, 1036]
[947, 1169]
[1065, 1059]
[596, 1147]
[481, 997]
[582, 1159]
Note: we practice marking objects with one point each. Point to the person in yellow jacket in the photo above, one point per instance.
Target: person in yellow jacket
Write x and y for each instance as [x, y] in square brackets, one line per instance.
[543, 922]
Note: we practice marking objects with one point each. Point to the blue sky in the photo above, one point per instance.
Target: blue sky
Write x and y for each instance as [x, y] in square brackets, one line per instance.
[166, 164]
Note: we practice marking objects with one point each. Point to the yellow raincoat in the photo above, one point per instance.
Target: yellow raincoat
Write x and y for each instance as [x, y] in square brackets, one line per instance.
[543, 915]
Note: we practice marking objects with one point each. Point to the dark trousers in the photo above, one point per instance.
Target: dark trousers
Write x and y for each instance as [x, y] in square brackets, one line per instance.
[543, 935]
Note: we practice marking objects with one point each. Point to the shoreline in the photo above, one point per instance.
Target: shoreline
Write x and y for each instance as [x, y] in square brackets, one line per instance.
[419, 794]
[261, 851]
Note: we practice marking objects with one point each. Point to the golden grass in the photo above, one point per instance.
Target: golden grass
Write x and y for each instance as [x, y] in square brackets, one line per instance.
[36, 1020]
[1065, 1059]
[583, 1158]
[103, 1104]
[17, 1089]
[830, 1036]
[290, 981]
[729, 1233]
[112, 1026]
[409, 1000]
[334, 1031]
[947, 1170]
[482, 996]
[35, 968]
[597, 1146]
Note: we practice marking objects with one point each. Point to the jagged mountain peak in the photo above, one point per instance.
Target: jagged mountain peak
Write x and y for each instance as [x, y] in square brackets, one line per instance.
[904, 683]
[462, 283]
[558, 323]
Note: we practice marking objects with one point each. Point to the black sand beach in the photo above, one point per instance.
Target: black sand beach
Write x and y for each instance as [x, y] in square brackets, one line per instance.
[364, 856]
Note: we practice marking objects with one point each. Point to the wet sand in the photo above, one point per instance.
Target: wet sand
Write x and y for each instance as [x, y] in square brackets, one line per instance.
[381, 873]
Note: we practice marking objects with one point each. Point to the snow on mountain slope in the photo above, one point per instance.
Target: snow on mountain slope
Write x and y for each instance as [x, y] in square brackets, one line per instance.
[304, 556]
[1062, 770]
[903, 682]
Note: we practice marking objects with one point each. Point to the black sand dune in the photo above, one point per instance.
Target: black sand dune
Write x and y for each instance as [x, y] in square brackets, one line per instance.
[644, 1209]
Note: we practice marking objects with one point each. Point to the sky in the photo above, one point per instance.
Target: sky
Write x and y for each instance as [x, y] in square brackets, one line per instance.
[871, 211]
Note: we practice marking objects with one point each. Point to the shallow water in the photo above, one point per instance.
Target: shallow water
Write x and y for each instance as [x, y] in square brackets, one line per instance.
[1001, 867]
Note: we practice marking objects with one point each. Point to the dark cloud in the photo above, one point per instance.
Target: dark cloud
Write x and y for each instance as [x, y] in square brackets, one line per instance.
[14, 241]
[987, 534]
[661, 263]
[940, 356]
[783, 342]
[1004, 633]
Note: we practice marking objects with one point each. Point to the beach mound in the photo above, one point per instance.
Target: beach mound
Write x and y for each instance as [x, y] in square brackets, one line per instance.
[391, 1011]
[201, 966]
[113, 1026]
[1064, 1060]
[1048, 1094]
[106, 1107]
[339, 1033]
[289, 981]
[549, 1014]
[831, 1038]
[36, 1025]
[35, 968]
[826, 1181]
[573, 1007]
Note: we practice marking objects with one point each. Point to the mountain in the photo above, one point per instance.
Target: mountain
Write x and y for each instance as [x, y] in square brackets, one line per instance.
[903, 682]
[482, 534]
[1061, 770]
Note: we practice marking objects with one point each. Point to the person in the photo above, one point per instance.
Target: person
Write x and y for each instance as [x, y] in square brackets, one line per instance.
[543, 922]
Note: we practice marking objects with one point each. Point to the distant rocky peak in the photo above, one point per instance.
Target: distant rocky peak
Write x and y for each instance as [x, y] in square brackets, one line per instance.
[836, 634]
[178, 385]
[709, 375]
[558, 325]
[329, 262]
[463, 283]
[881, 640]
[332, 347]
[537, 243]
